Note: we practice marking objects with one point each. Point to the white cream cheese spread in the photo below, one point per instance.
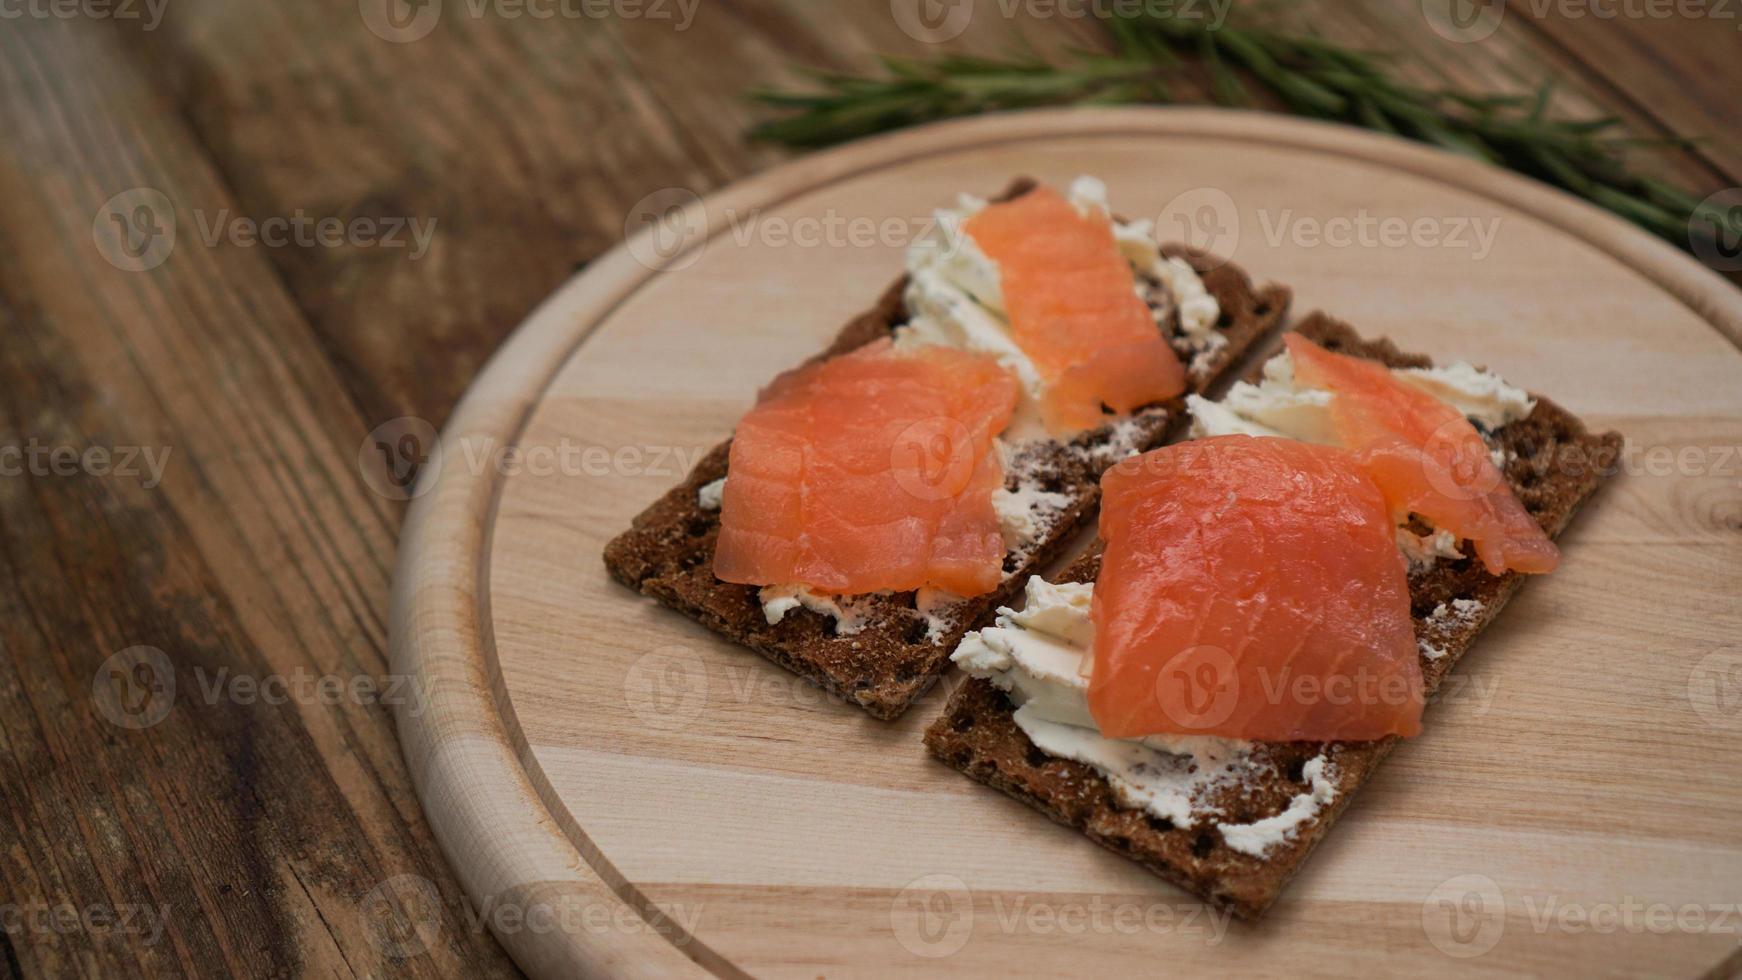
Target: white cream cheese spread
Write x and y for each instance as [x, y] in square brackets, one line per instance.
[1459, 612]
[1021, 512]
[1422, 551]
[1261, 835]
[1278, 406]
[778, 600]
[1034, 655]
[711, 494]
[954, 296]
[1483, 397]
[1444, 620]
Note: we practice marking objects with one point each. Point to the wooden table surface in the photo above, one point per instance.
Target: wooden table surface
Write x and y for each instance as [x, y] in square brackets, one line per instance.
[198, 767]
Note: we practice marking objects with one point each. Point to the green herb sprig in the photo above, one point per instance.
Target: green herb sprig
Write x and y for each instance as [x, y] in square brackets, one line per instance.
[1308, 75]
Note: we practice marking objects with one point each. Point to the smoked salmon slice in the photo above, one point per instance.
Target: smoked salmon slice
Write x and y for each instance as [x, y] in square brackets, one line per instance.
[1251, 588]
[1426, 457]
[870, 471]
[1071, 301]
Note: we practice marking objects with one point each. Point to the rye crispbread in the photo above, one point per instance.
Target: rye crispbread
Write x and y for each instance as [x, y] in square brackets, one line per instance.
[1552, 464]
[900, 650]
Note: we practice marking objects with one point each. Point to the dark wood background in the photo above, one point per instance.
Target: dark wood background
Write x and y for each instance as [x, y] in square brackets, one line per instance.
[263, 829]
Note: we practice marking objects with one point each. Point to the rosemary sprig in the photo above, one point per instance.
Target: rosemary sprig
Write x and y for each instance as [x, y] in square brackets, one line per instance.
[913, 92]
[1308, 75]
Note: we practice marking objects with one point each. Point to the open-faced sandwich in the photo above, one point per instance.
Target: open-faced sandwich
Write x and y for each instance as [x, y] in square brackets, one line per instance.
[887, 495]
[1270, 605]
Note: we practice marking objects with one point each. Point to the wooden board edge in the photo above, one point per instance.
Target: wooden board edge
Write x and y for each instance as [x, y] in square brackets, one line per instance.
[464, 751]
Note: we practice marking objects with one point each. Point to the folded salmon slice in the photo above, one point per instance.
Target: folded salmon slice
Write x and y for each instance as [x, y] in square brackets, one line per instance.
[1071, 301]
[1426, 457]
[1251, 588]
[870, 471]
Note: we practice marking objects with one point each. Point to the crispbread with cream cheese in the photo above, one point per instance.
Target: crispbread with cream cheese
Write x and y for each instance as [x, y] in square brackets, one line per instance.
[898, 650]
[1552, 463]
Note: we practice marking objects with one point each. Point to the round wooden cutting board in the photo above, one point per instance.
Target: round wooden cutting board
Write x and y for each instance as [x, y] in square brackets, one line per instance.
[595, 766]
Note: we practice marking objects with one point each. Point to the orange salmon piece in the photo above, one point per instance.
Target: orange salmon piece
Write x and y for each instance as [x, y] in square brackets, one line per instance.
[1072, 304]
[1251, 588]
[1426, 457]
[870, 471]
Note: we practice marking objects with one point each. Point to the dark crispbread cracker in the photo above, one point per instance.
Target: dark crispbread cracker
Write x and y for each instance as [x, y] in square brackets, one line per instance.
[1553, 465]
[668, 553]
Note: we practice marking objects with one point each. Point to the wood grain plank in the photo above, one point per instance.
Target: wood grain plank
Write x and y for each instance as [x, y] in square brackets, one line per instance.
[261, 826]
[1667, 62]
[528, 143]
[1516, 58]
